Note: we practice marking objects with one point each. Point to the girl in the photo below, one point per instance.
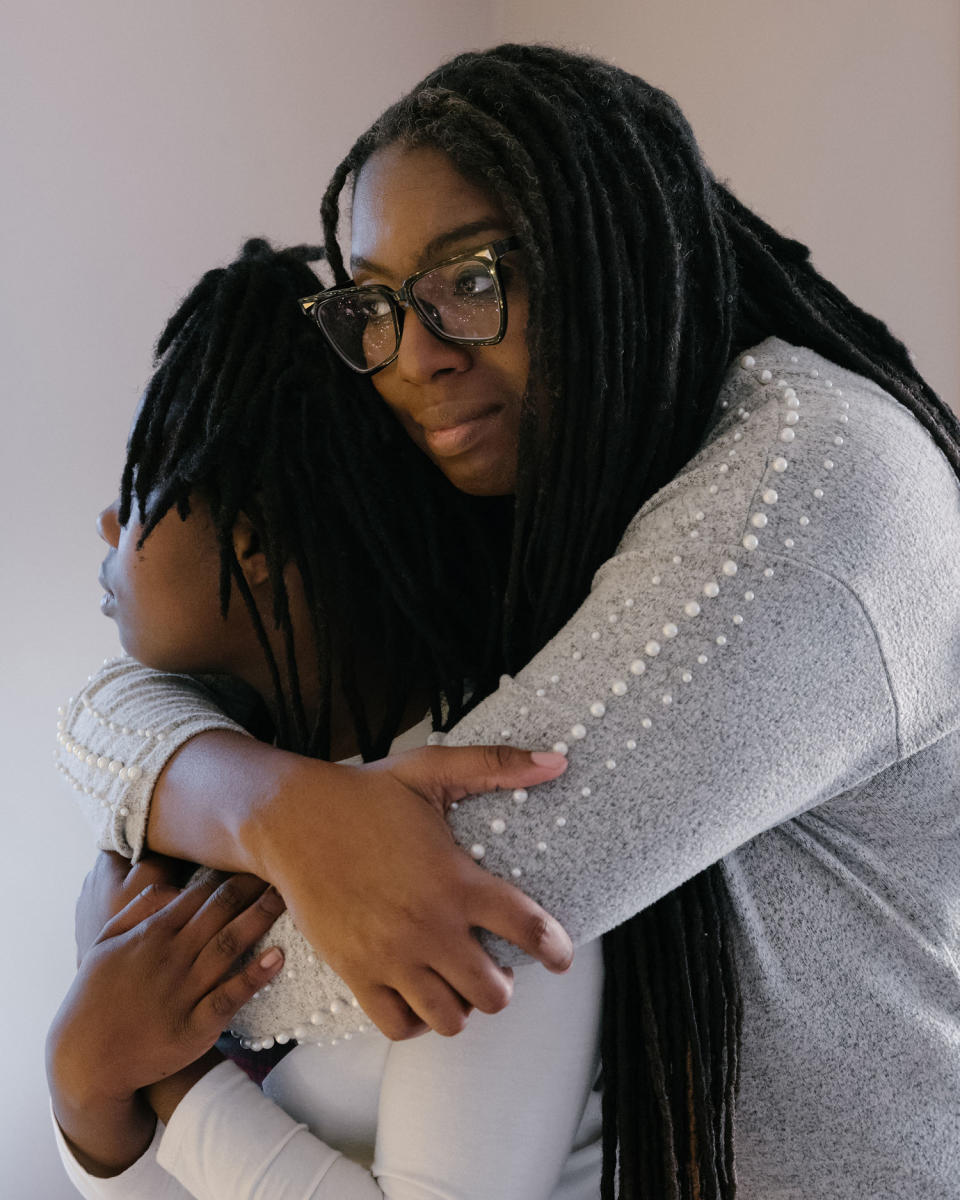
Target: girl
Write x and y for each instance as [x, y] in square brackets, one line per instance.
[733, 497]
[233, 550]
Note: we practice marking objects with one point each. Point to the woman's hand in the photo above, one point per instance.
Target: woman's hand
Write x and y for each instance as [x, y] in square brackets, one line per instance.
[152, 995]
[374, 880]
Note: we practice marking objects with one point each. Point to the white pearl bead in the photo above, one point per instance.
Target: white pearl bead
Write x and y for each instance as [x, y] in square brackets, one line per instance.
[818, 493]
[560, 747]
[554, 678]
[578, 731]
[699, 515]
[791, 418]
[815, 373]
[618, 687]
[692, 608]
[686, 677]
[299, 1033]
[561, 821]
[628, 603]
[311, 958]
[748, 595]
[670, 630]
[315, 1018]
[788, 542]
[721, 640]
[790, 394]
[585, 792]
[765, 376]
[711, 589]
[541, 846]
[477, 850]
[738, 620]
[335, 1007]
[631, 744]
[123, 811]
[804, 520]
[595, 636]
[794, 359]
[780, 465]
[637, 667]
[520, 795]
[611, 764]
[667, 699]
[768, 573]
[652, 648]
[498, 826]
[506, 733]
[516, 872]
[729, 567]
[134, 773]
[738, 436]
[787, 435]
[723, 468]
[655, 579]
[748, 361]
[576, 655]
[282, 1039]
[828, 463]
[838, 441]
[114, 766]
[646, 723]
[713, 489]
[612, 618]
[759, 520]
[523, 710]
[597, 709]
[541, 692]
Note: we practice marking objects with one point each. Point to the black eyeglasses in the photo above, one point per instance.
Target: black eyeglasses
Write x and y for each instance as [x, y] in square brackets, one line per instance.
[460, 300]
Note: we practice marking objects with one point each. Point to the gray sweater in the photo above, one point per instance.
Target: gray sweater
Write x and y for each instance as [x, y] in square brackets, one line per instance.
[763, 675]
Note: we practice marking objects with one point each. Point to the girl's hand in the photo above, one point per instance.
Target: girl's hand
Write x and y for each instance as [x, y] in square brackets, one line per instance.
[152, 995]
[110, 885]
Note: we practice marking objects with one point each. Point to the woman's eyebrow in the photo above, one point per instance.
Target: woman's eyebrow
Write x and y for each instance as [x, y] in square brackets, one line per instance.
[435, 246]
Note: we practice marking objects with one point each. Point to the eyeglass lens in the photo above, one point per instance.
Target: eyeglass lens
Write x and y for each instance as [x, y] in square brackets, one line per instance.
[456, 300]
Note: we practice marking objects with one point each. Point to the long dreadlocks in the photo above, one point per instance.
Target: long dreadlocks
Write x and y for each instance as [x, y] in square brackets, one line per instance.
[646, 278]
[250, 409]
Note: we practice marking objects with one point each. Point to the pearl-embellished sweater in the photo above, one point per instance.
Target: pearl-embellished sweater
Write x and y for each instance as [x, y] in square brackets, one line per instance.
[764, 675]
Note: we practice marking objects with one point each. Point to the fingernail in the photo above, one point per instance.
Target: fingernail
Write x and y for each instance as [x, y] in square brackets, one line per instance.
[548, 758]
[271, 959]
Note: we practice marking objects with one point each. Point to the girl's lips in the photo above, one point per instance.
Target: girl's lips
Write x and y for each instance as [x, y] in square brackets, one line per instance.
[455, 439]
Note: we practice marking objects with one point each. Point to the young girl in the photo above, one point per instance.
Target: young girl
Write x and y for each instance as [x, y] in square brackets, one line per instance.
[233, 552]
[731, 595]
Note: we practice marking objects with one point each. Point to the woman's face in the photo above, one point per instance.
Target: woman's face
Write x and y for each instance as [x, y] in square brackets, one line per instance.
[165, 597]
[460, 404]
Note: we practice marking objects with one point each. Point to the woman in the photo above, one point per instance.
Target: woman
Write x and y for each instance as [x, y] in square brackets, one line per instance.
[760, 736]
[231, 551]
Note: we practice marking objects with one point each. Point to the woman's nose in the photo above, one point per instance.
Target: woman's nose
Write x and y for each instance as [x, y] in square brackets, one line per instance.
[423, 355]
[108, 524]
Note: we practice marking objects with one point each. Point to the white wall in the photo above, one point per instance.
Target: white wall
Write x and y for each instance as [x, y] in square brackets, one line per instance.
[142, 142]
[837, 120]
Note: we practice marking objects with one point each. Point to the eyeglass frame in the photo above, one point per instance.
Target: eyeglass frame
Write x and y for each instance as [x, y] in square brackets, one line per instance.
[490, 254]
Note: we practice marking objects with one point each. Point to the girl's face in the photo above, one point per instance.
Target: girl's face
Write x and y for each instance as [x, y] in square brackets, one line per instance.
[460, 404]
[165, 597]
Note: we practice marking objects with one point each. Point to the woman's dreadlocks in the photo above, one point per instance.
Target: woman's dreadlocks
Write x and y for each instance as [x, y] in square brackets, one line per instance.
[646, 279]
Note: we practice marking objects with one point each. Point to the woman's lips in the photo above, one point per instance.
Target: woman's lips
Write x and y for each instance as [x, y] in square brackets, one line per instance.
[455, 439]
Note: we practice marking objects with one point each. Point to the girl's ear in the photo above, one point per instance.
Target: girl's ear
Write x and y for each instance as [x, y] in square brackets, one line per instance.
[248, 548]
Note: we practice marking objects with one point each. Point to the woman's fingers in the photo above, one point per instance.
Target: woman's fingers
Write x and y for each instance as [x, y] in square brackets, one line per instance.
[392, 1015]
[433, 1000]
[474, 976]
[442, 774]
[510, 914]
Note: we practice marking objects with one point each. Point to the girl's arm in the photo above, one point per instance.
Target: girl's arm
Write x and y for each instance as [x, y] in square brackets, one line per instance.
[151, 996]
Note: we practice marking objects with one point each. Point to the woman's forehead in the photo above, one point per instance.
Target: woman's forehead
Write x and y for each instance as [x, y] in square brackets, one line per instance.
[412, 207]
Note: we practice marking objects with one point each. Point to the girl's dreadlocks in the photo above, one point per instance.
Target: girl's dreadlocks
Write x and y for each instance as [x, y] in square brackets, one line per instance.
[249, 407]
[646, 278]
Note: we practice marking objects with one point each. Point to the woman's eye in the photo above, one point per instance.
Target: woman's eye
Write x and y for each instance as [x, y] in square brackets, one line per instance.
[373, 307]
[473, 281]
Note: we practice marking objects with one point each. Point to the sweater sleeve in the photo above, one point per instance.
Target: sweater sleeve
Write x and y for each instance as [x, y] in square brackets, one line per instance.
[117, 735]
[722, 677]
